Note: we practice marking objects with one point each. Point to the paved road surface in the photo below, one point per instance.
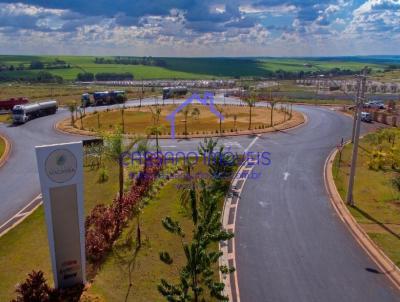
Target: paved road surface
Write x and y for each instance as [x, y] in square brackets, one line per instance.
[290, 245]
[19, 182]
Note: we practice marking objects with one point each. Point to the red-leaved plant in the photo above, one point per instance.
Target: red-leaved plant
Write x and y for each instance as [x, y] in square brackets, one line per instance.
[104, 224]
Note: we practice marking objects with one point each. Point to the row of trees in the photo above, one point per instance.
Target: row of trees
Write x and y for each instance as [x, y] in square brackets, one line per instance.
[104, 76]
[39, 77]
[36, 65]
[149, 61]
[281, 74]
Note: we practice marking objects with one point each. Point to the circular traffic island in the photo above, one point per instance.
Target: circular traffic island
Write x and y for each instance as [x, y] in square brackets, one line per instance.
[189, 121]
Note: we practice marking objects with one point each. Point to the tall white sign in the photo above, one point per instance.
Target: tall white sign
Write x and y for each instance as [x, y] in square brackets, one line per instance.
[61, 178]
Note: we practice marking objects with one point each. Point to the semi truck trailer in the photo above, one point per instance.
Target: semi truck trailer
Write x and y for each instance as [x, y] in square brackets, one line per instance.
[103, 98]
[10, 103]
[169, 92]
[23, 113]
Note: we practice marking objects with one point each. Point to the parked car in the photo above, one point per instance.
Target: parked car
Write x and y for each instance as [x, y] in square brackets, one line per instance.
[366, 117]
[375, 105]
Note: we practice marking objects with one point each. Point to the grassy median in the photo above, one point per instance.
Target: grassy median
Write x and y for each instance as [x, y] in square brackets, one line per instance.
[25, 247]
[2, 146]
[377, 198]
[199, 119]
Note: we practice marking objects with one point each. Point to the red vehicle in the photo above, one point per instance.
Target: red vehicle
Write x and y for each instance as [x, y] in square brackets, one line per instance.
[10, 103]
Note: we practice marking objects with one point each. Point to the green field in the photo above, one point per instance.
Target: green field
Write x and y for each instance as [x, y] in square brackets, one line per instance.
[377, 201]
[184, 68]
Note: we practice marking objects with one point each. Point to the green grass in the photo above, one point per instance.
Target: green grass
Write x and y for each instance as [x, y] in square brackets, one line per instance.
[377, 203]
[184, 68]
[5, 118]
[2, 146]
[112, 282]
[25, 247]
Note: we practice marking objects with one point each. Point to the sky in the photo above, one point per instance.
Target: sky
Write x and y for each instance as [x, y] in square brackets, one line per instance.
[201, 27]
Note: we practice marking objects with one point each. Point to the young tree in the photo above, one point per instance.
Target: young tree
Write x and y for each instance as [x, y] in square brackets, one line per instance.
[141, 146]
[185, 111]
[81, 117]
[195, 113]
[156, 128]
[220, 109]
[72, 108]
[114, 148]
[272, 103]
[123, 119]
[197, 275]
[251, 102]
[234, 121]
[206, 148]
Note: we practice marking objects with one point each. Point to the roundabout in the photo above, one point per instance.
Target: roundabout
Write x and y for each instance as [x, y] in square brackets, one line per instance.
[192, 121]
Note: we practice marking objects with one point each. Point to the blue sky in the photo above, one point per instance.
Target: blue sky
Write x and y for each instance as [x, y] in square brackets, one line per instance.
[201, 27]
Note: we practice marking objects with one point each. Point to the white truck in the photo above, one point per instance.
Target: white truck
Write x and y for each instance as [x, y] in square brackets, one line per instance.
[23, 113]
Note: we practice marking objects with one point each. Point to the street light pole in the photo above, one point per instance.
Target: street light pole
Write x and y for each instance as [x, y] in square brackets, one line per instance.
[359, 105]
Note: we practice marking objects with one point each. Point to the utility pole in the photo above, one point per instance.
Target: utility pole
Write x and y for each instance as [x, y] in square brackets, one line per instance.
[360, 101]
[353, 133]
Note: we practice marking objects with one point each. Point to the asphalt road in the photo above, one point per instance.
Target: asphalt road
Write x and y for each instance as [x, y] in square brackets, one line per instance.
[19, 182]
[290, 245]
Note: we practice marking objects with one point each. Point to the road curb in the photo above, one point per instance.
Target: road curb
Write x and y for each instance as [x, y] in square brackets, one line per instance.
[7, 150]
[386, 266]
[229, 212]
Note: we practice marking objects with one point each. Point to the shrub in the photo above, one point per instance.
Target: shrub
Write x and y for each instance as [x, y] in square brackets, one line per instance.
[396, 182]
[103, 175]
[85, 77]
[104, 224]
[34, 289]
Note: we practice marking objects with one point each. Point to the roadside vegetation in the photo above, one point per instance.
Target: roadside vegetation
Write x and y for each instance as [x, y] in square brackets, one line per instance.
[172, 222]
[2, 146]
[377, 188]
[25, 248]
[5, 118]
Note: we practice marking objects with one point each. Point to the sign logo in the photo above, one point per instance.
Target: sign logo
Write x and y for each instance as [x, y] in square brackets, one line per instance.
[208, 100]
[61, 165]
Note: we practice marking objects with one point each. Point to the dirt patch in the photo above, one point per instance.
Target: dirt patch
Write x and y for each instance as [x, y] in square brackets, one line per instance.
[206, 124]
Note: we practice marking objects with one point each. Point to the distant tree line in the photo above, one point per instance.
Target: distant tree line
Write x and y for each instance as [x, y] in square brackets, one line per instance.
[104, 76]
[38, 77]
[35, 65]
[292, 75]
[149, 61]
[392, 67]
